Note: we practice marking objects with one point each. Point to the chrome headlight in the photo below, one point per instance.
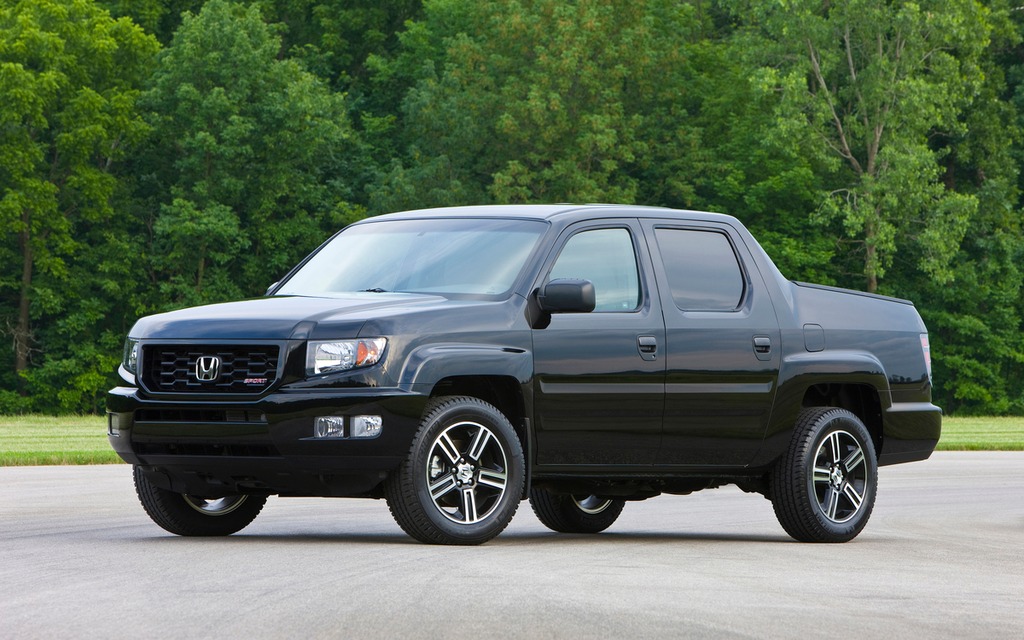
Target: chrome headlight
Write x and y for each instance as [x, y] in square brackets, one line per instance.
[331, 356]
[130, 359]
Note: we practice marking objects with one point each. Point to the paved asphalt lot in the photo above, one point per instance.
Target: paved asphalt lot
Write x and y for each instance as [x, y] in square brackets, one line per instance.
[941, 557]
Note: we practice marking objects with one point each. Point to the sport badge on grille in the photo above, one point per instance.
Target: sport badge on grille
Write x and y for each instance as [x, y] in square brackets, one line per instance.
[207, 368]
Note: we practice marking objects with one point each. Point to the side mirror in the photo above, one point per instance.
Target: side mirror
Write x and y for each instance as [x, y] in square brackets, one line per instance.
[567, 295]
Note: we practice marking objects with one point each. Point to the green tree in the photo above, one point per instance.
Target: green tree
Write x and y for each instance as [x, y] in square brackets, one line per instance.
[160, 18]
[532, 100]
[340, 42]
[69, 74]
[977, 323]
[335, 39]
[874, 81]
[249, 162]
[898, 113]
[711, 144]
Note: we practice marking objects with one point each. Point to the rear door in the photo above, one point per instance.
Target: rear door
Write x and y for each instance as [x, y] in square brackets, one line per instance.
[599, 376]
[722, 346]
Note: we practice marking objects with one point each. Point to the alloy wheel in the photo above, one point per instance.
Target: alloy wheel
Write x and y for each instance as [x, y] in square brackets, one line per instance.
[466, 472]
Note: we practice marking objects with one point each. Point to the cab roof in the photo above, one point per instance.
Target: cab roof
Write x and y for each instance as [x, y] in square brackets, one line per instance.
[551, 211]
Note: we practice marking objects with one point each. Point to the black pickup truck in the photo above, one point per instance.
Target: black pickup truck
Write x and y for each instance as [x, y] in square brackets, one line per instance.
[457, 361]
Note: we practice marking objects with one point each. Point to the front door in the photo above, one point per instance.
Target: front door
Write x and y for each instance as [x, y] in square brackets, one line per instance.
[599, 383]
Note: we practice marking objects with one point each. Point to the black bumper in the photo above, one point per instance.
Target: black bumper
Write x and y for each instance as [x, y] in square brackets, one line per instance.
[211, 448]
[910, 433]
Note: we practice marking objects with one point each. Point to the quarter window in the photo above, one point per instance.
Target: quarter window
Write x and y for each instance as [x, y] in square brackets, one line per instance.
[606, 258]
[702, 269]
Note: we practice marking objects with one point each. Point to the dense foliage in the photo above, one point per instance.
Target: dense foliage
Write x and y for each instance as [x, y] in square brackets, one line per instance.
[162, 153]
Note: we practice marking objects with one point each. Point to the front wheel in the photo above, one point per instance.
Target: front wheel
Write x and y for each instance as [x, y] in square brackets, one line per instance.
[188, 515]
[823, 488]
[574, 513]
[463, 478]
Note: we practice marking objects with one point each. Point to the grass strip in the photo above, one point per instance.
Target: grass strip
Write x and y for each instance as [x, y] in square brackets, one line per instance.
[982, 434]
[54, 440]
[68, 440]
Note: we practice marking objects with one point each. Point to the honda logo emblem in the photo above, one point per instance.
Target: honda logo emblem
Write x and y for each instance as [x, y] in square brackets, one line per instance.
[207, 368]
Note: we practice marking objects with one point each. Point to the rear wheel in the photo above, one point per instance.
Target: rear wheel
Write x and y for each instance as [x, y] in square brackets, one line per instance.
[463, 478]
[188, 515]
[823, 488]
[574, 513]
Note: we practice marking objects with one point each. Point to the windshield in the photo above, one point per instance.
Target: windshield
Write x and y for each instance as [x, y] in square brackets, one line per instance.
[443, 256]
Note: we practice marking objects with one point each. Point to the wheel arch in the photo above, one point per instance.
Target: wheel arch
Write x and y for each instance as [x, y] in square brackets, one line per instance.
[851, 380]
[860, 399]
[504, 392]
[428, 366]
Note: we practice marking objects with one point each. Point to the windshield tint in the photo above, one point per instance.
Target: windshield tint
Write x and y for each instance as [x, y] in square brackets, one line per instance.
[460, 256]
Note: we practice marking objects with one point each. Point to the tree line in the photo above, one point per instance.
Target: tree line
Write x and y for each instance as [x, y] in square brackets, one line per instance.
[156, 154]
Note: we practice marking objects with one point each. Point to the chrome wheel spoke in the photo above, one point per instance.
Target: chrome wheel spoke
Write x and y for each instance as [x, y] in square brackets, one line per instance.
[833, 440]
[831, 505]
[854, 460]
[480, 440]
[851, 494]
[822, 475]
[445, 444]
[469, 513]
[493, 478]
[445, 484]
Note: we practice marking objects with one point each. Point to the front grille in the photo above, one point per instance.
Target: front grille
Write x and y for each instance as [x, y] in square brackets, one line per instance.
[239, 368]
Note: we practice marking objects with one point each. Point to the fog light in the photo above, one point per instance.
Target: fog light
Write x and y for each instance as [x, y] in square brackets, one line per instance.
[367, 426]
[114, 425]
[329, 427]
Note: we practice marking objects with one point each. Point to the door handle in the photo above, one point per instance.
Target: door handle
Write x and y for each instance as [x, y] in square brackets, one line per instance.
[763, 347]
[648, 346]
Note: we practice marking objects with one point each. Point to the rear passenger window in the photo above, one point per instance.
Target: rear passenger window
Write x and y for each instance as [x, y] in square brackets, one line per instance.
[702, 269]
[606, 258]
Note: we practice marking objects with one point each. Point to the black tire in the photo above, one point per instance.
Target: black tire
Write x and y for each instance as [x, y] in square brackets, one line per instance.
[187, 515]
[463, 478]
[574, 513]
[823, 488]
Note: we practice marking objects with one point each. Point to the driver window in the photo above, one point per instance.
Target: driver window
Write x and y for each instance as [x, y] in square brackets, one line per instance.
[606, 258]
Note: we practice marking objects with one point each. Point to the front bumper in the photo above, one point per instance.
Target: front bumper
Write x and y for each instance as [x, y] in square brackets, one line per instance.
[266, 445]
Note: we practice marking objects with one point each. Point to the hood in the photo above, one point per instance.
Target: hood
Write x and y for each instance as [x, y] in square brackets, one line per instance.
[276, 317]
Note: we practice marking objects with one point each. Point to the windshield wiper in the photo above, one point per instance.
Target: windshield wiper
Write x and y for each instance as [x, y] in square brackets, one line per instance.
[375, 290]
